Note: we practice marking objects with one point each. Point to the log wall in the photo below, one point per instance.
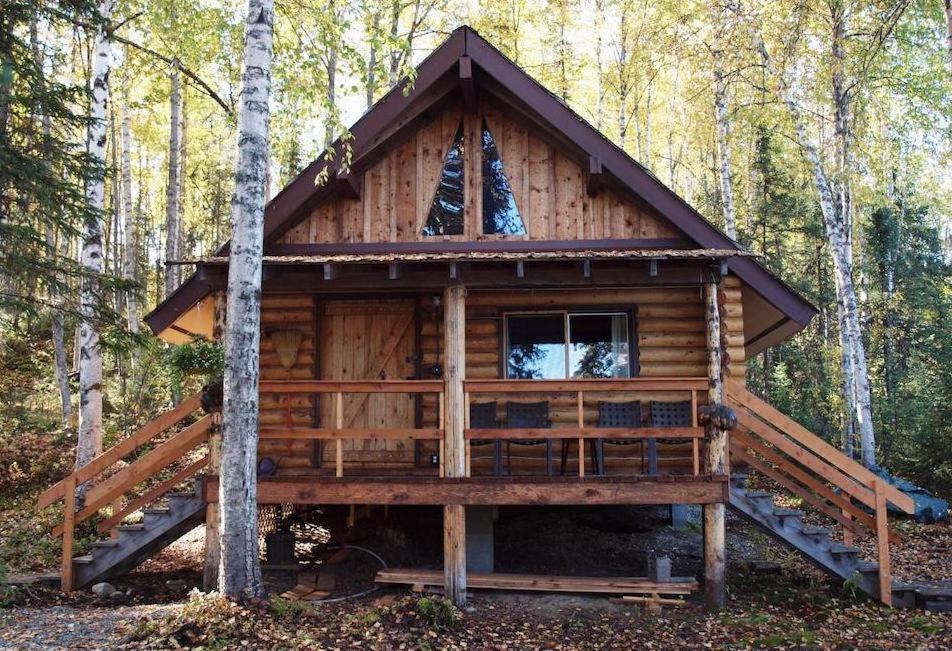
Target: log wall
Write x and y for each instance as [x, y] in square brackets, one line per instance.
[670, 343]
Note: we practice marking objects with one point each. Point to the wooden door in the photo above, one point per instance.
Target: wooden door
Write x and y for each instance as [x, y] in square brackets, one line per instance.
[369, 340]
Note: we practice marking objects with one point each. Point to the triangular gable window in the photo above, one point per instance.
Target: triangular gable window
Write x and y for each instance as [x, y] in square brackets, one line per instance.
[500, 214]
[446, 213]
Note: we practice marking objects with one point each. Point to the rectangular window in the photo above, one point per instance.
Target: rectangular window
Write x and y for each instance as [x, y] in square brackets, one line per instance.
[555, 346]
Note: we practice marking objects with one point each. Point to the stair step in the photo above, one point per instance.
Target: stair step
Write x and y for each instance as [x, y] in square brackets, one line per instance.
[83, 560]
[810, 530]
[868, 567]
[788, 513]
[838, 549]
[105, 543]
[131, 528]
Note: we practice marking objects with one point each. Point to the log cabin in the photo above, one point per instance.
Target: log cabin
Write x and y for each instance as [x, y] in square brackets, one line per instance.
[492, 304]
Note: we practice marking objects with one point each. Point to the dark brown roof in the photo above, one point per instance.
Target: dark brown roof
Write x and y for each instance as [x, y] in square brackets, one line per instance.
[402, 110]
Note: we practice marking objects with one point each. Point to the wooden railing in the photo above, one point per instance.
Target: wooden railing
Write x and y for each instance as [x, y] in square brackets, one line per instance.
[291, 430]
[581, 429]
[781, 449]
[112, 489]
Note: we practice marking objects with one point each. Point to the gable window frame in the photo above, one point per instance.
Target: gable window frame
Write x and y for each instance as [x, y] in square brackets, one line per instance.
[630, 312]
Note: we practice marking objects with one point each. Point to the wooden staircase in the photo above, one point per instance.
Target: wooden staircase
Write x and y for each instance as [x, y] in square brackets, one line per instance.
[162, 455]
[775, 446]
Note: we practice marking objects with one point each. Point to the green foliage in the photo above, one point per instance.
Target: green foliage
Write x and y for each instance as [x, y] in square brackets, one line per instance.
[439, 612]
[199, 357]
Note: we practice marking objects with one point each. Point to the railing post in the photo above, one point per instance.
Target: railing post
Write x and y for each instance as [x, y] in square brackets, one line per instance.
[69, 521]
[882, 542]
[715, 462]
[581, 439]
[847, 533]
[466, 426]
[454, 515]
[212, 541]
[339, 420]
[695, 445]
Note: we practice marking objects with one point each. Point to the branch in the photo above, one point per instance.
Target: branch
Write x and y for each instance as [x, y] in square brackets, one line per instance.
[184, 70]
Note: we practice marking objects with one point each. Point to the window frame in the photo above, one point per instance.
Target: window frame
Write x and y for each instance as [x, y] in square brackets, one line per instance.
[631, 316]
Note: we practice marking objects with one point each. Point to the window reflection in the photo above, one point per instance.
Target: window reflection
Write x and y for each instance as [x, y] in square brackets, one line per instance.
[536, 347]
[446, 213]
[598, 345]
[500, 214]
[593, 346]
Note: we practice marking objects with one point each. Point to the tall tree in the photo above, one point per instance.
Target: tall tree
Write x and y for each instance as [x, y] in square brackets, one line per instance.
[89, 440]
[173, 196]
[129, 223]
[240, 573]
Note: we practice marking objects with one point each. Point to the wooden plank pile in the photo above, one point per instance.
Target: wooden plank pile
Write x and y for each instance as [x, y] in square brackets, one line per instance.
[632, 589]
[317, 585]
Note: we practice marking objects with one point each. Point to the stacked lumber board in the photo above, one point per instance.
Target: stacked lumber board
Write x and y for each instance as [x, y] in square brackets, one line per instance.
[583, 584]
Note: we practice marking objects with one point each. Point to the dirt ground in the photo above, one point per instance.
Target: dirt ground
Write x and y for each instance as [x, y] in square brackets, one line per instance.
[776, 600]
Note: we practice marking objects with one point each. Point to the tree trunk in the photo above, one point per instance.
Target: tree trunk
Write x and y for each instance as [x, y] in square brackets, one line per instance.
[89, 439]
[395, 7]
[240, 574]
[329, 127]
[129, 226]
[724, 152]
[372, 60]
[53, 251]
[599, 68]
[947, 5]
[853, 354]
[173, 218]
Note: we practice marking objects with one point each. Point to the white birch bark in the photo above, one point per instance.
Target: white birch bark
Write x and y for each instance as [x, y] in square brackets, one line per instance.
[599, 66]
[947, 6]
[173, 218]
[724, 152]
[853, 354]
[55, 292]
[129, 225]
[89, 439]
[240, 573]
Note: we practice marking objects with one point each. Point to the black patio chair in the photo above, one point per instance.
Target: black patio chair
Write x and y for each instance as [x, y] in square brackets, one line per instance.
[617, 414]
[482, 415]
[528, 415]
[666, 414]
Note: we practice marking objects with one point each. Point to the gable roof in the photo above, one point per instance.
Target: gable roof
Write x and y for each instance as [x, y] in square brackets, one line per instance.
[464, 63]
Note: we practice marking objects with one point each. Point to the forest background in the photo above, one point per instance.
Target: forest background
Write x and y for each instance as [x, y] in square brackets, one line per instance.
[708, 97]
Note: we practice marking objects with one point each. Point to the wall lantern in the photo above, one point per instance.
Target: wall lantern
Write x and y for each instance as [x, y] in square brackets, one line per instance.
[287, 343]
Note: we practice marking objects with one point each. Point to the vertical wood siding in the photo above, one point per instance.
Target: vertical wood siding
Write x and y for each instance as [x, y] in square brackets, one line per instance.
[549, 188]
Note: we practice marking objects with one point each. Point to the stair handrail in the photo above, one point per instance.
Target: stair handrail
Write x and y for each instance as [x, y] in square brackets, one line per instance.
[743, 398]
[112, 489]
[121, 449]
[790, 440]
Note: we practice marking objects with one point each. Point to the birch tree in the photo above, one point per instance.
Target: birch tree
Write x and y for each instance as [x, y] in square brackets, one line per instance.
[89, 440]
[240, 571]
[129, 223]
[173, 196]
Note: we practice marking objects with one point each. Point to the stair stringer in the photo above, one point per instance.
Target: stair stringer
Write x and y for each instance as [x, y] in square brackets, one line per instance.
[818, 552]
[138, 543]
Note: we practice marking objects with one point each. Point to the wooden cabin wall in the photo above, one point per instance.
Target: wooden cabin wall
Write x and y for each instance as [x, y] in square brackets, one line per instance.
[671, 342]
[670, 338]
[549, 188]
[294, 312]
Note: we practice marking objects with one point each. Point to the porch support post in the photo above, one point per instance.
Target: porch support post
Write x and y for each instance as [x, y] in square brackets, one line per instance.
[715, 461]
[454, 515]
[212, 542]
